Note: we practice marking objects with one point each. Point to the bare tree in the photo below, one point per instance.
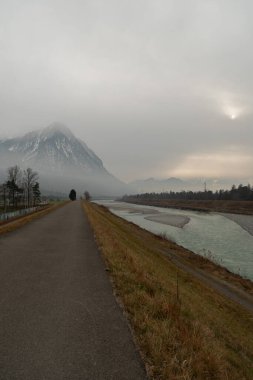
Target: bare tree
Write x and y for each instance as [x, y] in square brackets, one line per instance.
[87, 195]
[36, 193]
[14, 173]
[13, 183]
[30, 178]
[3, 195]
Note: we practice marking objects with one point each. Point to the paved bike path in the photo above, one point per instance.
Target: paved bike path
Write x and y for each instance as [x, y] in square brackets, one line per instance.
[58, 316]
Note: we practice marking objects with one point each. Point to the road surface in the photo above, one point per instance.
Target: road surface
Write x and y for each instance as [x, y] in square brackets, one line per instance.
[58, 316]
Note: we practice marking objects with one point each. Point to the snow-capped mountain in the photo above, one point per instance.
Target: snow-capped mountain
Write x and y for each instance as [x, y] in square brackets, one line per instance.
[62, 161]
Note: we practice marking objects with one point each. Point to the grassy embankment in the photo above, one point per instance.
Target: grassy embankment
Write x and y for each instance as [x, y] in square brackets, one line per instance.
[184, 330]
[13, 224]
[236, 207]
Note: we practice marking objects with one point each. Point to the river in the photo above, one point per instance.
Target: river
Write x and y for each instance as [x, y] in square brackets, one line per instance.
[218, 237]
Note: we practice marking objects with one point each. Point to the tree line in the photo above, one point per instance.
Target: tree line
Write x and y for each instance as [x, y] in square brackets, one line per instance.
[21, 189]
[72, 195]
[240, 193]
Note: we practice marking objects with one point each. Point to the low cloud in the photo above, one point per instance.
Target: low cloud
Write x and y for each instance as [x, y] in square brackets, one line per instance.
[148, 85]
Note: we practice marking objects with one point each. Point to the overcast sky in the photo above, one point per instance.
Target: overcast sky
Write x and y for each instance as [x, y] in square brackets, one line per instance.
[155, 87]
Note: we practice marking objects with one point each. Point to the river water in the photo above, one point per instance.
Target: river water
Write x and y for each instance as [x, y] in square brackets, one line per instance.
[209, 234]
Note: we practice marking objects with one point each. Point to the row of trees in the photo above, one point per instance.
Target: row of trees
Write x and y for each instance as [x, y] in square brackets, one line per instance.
[21, 189]
[72, 195]
[240, 193]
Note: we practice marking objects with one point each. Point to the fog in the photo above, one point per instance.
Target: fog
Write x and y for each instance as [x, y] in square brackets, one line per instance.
[156, 88]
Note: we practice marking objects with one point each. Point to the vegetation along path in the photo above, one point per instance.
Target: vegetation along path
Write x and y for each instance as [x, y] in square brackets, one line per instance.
[184, 327]
[59, 318]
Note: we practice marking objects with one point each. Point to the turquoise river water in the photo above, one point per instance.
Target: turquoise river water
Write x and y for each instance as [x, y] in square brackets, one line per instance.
[208, 234]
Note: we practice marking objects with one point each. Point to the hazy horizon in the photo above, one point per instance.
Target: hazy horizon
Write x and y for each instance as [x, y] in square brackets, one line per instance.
[214, 182]
[156, 89]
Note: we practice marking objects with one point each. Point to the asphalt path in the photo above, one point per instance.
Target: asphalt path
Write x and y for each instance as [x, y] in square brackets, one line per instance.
[59, 318]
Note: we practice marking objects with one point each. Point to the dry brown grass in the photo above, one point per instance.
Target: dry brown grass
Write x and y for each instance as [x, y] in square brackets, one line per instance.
[206, 264]
[21, 221]
[192, 333]
[237, 207]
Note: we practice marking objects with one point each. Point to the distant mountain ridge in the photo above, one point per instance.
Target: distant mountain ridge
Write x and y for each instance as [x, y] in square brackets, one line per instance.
[62, 160]
[150, 185]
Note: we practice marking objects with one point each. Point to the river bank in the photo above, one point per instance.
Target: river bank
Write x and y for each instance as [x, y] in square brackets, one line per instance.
[240, 212]
[225, 239]
[184, 328]
[245, 221]
[234, 207]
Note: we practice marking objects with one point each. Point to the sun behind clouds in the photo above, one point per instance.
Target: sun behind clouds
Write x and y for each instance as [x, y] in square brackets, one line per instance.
[231, 105]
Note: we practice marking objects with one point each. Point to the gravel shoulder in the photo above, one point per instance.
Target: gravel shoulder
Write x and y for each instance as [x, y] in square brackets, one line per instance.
[224, 287]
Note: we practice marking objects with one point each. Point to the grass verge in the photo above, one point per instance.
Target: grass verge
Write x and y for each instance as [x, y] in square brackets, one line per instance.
[21, 221]
[184, 329]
